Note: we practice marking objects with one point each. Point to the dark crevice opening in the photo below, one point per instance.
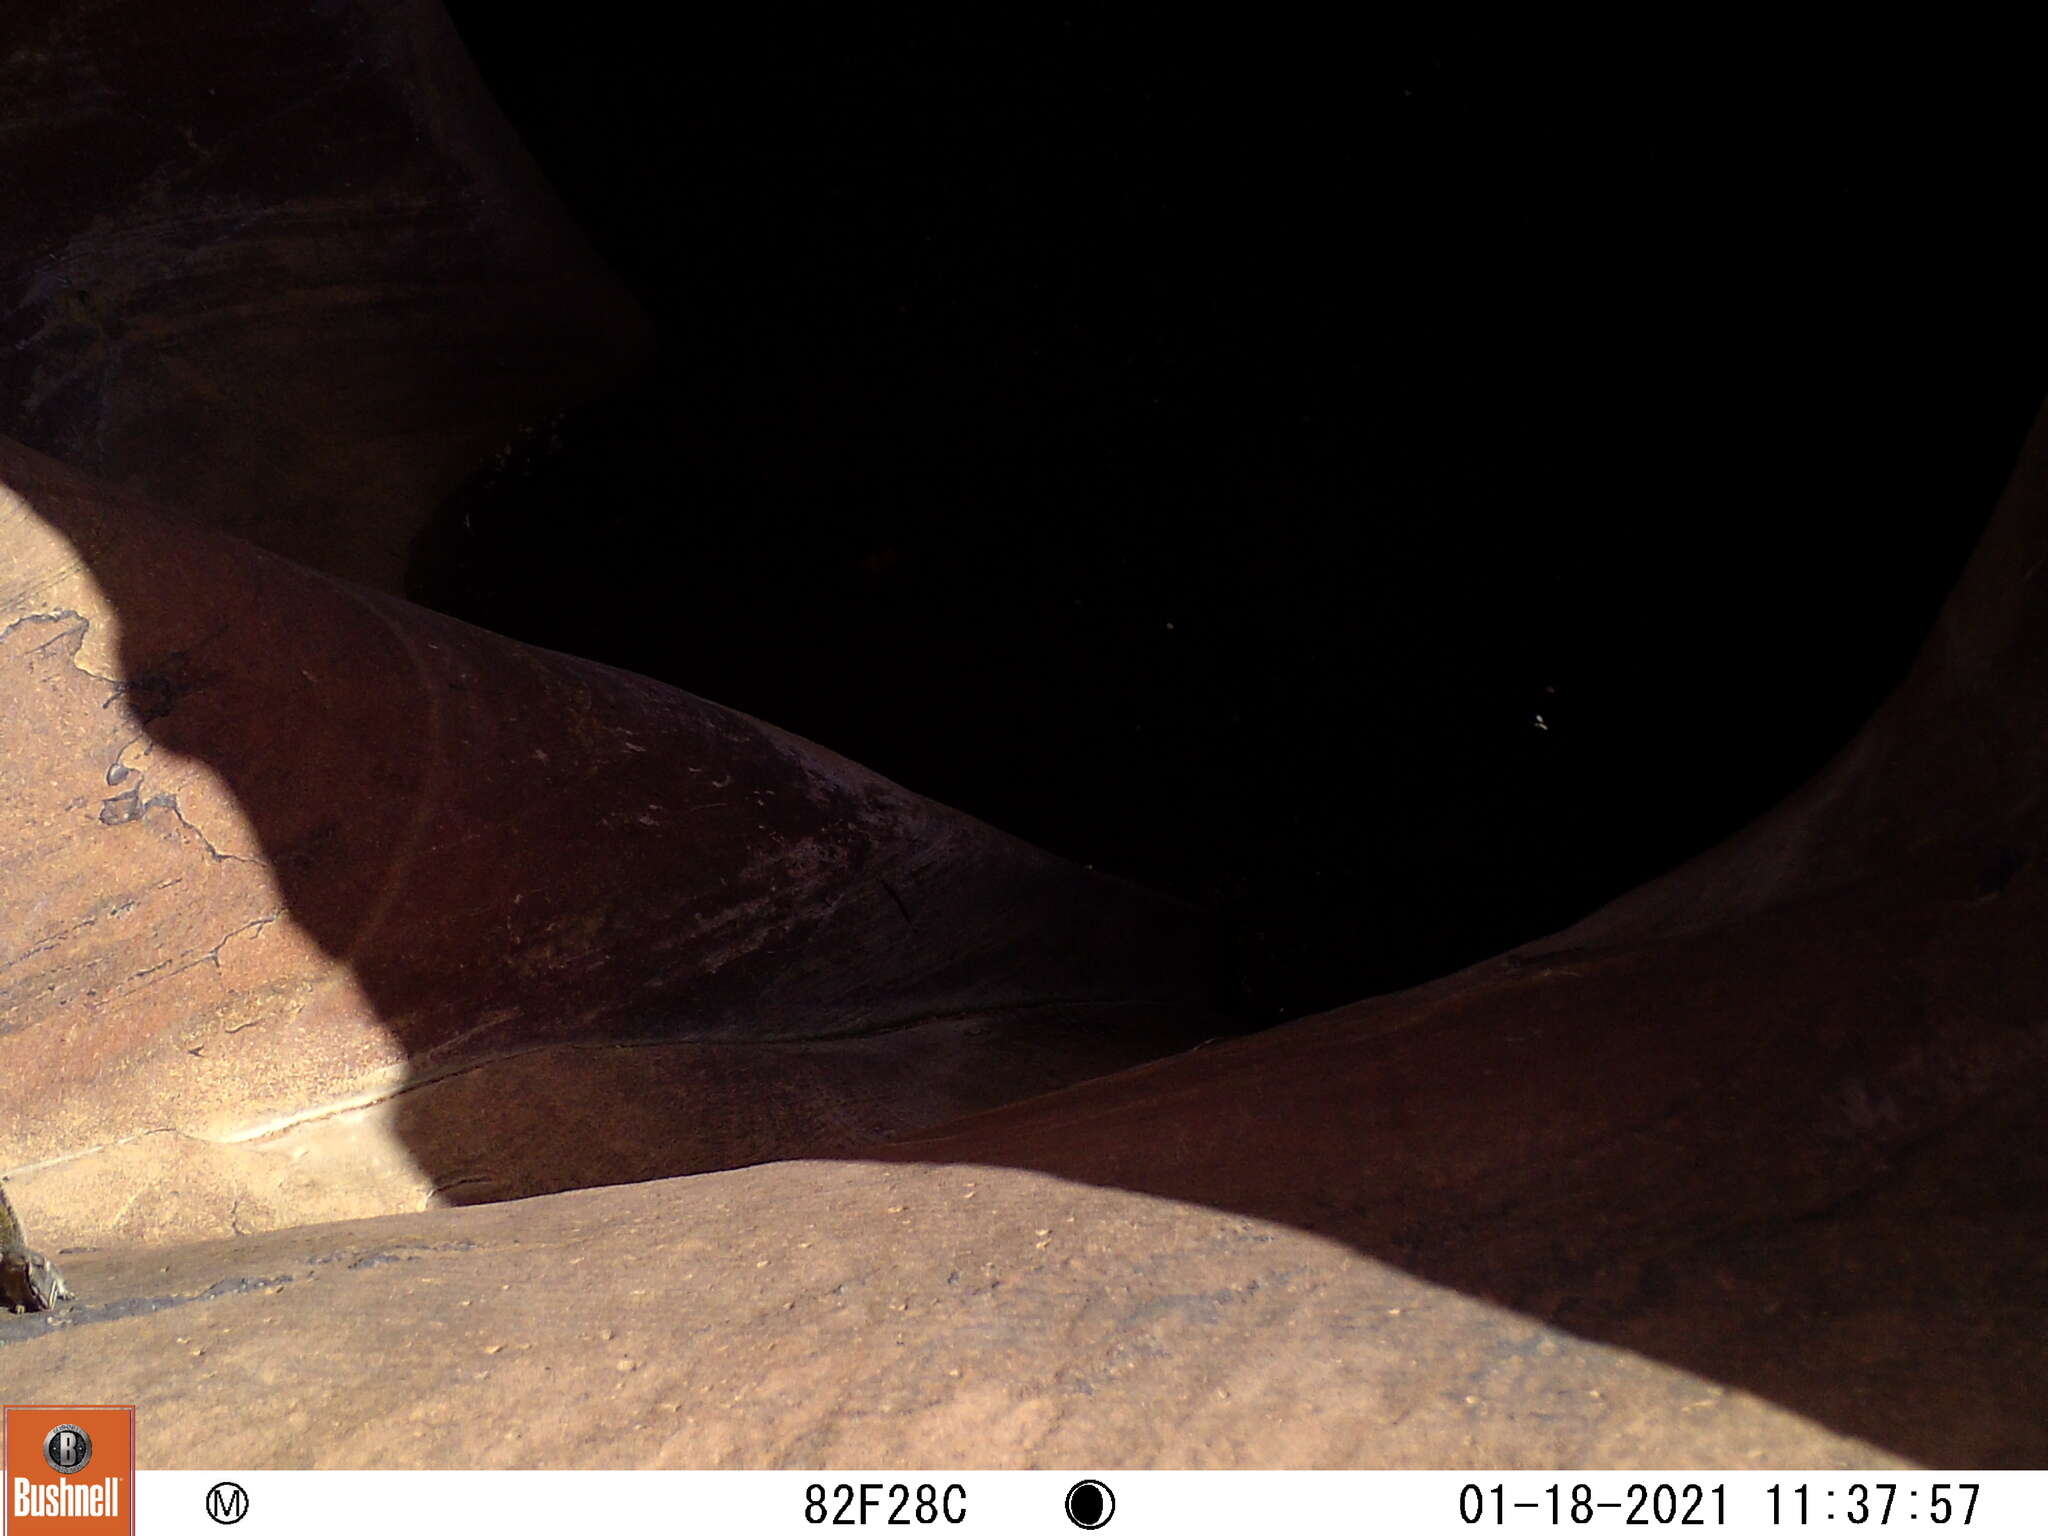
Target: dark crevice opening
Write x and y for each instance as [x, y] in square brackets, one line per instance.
[1393, 496]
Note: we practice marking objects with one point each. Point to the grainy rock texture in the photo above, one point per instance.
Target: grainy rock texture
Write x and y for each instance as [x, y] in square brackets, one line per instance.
[313, 903]
[1780, 1117]
[855, 1315]
[1745, 1171]
[318, 910]
[284, 268]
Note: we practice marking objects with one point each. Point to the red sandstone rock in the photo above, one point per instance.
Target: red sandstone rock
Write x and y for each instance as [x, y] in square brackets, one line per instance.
[315, 903]
[1744, 1171]
[284, 268]
[858, 1316]
[1779, 1117]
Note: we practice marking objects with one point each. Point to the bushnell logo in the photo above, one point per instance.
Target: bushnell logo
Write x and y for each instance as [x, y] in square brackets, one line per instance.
[70, 1471]
[67, 1449]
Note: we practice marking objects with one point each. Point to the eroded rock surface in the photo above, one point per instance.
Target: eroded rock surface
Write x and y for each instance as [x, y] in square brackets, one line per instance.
[1757, 1187]
[855, 1315]
[1780, 1117]
[314, 903]
[284, 268]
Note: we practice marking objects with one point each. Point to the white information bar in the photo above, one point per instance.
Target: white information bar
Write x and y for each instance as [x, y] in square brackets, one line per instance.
[1120, 1503]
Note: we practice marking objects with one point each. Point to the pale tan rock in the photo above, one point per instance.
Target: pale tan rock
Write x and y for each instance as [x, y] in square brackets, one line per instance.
[285, 268]
[854, 1315]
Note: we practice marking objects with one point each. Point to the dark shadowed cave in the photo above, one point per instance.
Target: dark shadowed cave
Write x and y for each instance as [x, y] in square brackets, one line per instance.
[1395, 494]
[1398, 496]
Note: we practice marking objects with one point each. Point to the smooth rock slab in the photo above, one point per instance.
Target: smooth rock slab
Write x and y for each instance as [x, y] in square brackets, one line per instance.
[1779, 1118]
[313, 903]
[854, 1315]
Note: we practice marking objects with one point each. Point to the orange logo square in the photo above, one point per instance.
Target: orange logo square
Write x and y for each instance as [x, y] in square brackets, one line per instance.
[70, 1471]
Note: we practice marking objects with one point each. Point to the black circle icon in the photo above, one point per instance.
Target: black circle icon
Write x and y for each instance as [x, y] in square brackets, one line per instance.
[1090, 1504]
[67, 1449]
[226, 1503]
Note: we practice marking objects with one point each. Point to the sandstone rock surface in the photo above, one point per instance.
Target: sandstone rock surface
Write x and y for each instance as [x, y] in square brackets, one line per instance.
[313, 903]
[283, 268]
[318, 910]
[1744, 1171]
[1779, 1117]
[855, 1315]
